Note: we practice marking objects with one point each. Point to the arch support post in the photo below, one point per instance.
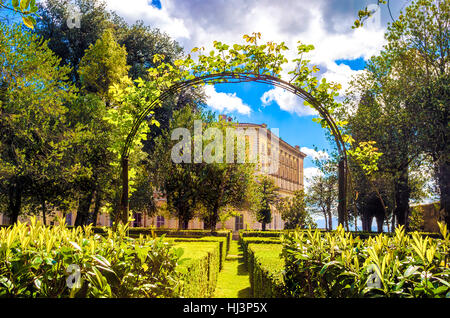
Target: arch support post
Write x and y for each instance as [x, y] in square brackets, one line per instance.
[124, 198]
[342, 195]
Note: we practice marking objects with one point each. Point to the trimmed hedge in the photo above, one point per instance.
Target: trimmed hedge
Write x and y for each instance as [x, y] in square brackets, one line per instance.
[184, 233]
[250, 233]
[173, 233]
[361, 234]
[245, 241]
[265, 267]
[221, 240]
[200, 269]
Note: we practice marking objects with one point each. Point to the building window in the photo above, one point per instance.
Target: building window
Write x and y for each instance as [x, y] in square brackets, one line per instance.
[160, 221]
[239, 222]
[137, 219]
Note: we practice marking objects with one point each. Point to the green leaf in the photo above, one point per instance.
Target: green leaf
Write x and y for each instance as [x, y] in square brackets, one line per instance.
[29, 22]
[412, 269]
[75, 245]
[24, 4]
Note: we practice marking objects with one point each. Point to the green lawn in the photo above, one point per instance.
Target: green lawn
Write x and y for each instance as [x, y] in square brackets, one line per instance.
[233, 281]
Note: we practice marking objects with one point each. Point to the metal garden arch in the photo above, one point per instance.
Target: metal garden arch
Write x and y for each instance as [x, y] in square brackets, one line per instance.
[232, 77]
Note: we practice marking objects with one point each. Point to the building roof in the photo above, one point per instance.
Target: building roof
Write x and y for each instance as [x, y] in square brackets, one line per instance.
[295, 149]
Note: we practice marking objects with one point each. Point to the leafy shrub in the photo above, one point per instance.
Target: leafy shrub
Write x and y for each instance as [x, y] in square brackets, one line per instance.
[200, 270]
[40, 261]
[337, 264]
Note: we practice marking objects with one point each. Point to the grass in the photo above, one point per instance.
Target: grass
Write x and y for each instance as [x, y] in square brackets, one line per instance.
[233, 281]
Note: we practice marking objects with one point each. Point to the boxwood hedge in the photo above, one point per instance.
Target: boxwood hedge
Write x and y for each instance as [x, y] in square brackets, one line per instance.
[200, 268]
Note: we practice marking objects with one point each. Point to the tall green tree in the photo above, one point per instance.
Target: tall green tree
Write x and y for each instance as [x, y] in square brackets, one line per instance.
[294, 211]
[178, 181]
[102, 66]
[70, 42]
[33, 99]
[223, 184]
[412, 81]
[266, 198]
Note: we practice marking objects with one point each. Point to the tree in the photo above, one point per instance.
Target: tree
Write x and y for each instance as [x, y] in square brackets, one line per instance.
[294, 213]
[322, 196]
[266, 197]
[414, 70]
[178, 181]
[381, 117]
[70, 43]
[104, 64]
[223, 184]
[142, 44]
[102, 67]
[34, 140]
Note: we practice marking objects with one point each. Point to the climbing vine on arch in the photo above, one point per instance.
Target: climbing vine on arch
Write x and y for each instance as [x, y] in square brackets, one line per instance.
[237, 63]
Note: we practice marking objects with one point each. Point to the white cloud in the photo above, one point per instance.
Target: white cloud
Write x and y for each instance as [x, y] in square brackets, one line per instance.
[324, 23]
[314, 154]
[133, 10]
[308, 173]
[225, 102]
[287, 101]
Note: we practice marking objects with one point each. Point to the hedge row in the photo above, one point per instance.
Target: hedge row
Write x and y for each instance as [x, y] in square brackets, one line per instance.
[265, 267]
[245, 241]
[361, 234]
[262, 256]
[221, 240]
[136, 231]
[200, 268]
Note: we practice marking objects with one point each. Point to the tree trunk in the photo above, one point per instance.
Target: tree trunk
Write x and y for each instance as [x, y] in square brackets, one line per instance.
[183, 224]
[402, 193]
[97, 205]
[380, 221]
[263, 226]
[83, 209]
[44, 218]
[15, 202]
[366, 221]
[326, 220]
[330, 219]
[393, 223]
[341, 193]
[443, 174]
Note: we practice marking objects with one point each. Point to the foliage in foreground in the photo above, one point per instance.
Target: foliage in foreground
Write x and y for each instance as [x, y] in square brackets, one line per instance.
[39, 261]
[336, 264]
